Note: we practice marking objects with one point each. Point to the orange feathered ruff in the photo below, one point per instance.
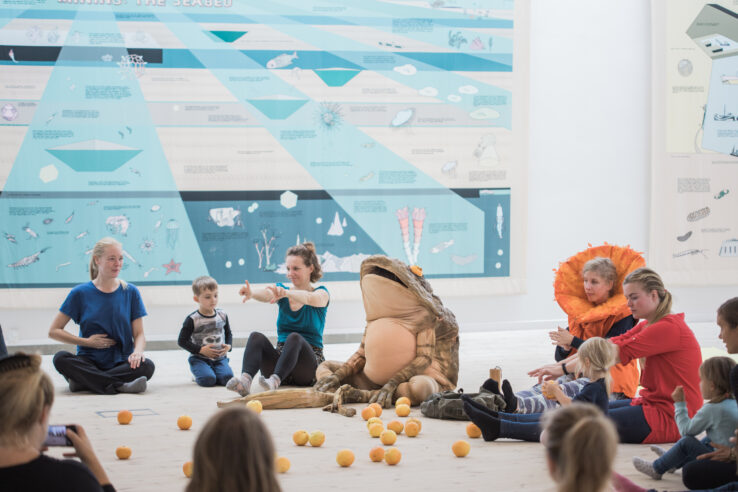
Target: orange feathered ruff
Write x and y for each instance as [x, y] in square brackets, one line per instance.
[587, 320]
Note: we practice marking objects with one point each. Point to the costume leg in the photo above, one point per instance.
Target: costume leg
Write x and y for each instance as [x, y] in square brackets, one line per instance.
[418, 389]
[204, 374]
[222, 370]
[297, 360]
[359, 381]
[327, 368]
[259, 355]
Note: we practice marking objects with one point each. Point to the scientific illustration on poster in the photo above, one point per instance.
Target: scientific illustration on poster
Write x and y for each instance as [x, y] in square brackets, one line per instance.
[209, 137]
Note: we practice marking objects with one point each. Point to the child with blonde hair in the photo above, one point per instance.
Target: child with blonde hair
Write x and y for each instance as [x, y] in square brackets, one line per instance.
[718, 417]
[596, 357]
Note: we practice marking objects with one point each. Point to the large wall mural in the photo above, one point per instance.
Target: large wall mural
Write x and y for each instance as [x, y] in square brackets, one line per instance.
[209, 136]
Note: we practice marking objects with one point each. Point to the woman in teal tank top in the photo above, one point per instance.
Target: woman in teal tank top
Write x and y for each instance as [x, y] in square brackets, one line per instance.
[300, 324]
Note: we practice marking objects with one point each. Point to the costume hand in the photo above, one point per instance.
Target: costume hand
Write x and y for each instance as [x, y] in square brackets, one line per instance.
[561, 337]
[721, 453]
[384, 396]
[99, 341]
[210, 351]
[277, 292]
[327, 384]
[678, 394]
[245, 291]
[550, 371]
[135, 359]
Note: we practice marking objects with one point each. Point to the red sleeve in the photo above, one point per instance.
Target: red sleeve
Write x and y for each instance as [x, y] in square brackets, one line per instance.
[660, 337]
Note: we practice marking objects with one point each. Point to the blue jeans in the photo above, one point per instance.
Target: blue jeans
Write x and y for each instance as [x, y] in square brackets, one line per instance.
[629, 421]
[210, 372]
[685, 450]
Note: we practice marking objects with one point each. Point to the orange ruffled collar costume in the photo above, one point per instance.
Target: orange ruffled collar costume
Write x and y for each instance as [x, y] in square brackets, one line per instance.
[587, 320]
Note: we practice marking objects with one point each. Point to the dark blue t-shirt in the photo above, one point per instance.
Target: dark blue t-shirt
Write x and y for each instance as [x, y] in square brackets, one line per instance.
[99, 312]
[594, 392]
[308, 321]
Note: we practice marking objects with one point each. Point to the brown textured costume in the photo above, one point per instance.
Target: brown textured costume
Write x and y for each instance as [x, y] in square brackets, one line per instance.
[410, 345]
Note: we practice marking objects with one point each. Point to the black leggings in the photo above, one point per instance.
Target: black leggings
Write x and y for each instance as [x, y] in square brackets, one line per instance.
[708, 474]
[296, 362]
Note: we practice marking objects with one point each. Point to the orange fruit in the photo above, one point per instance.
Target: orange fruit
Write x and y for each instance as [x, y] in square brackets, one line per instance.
[388, 437]
[345, 457]
[377, 409]
[392, 456]
[282, 464]
[254, 405]
[124, 417]
[547, 389]
[301, 437]
[412, 429]
[368, 412]
[403, 400]
[402, 410]
[373, 420]
[417, 421]
[123, 452]
[184, 422]
[473, 431]
[396, 426]
[461, 448]
[376, 454]
[317, 438]
[187, 469]
[375, 429]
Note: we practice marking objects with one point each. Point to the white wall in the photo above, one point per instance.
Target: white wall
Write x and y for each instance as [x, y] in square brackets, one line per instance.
[589, 171]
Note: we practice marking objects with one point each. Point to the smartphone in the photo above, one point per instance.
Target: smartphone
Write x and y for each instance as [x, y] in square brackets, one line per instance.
[57, 435]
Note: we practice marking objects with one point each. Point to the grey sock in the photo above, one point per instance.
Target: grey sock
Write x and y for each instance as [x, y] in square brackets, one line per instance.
[138, 385]
[272, 383]
[240, 385]
[660, 452]
[646, 467]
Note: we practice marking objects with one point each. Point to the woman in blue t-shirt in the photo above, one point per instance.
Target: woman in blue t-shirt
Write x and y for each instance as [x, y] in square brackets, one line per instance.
[110, 346]
[300, 324]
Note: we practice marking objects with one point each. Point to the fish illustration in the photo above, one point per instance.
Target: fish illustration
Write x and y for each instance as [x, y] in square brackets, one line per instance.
[127, 255]
[27, 229]
[684, 237]
[10, 237]
[69, 219]
[721, 194]
[80, 235]
[367, 176]
[11, 55]
[130, 130]
[50, 118]
[281, 61]
[135, 171]
[48, 221]
[27, 260]
[61, 265]
[441, 246]
[148, 272]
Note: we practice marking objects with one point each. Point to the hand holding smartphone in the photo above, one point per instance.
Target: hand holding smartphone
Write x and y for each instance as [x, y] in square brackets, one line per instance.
[57, 435]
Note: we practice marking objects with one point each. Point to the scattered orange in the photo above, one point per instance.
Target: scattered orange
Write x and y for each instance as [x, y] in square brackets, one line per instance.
[376, 454]
[473, 431]
[377, 409]
[375, 429]
[373, 420]
[392, 456]
[368, 412]
[403, 400]
[402, 410]
[547, 389]
[412, 428]
[187, 469]
[123, 452]
[388, 437]
[282, 464]
[461, 448]
[184, 422]
[301, 437]
[254, 405]
[317, 438]
[345, 457]
[396, 426]
[417, 421]
[124, 417]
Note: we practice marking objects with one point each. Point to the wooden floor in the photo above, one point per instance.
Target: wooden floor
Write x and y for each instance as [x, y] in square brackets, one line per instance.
[160, 448]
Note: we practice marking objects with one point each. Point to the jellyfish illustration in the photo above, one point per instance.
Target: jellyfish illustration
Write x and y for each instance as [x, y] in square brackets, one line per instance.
[172, 233]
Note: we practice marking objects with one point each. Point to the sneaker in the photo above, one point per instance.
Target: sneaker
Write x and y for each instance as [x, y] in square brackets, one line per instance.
[646, 467]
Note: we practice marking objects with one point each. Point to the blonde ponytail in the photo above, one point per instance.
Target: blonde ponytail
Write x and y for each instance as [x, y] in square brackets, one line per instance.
[601, 355]
[650, 281]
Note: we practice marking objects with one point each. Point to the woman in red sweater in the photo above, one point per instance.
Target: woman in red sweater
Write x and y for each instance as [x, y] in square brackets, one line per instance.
[672, 358]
